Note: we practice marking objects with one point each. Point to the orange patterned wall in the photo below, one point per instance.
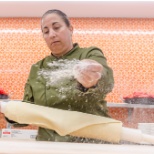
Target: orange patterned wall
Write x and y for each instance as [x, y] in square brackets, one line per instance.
[128, 45]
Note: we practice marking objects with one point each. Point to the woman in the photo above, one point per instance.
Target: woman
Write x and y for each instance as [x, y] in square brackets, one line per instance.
[85, 91]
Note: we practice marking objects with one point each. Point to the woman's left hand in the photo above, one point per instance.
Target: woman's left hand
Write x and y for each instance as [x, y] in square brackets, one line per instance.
[88, 72]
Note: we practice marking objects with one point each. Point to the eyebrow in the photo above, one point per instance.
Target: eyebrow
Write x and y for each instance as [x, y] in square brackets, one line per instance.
[52, 25]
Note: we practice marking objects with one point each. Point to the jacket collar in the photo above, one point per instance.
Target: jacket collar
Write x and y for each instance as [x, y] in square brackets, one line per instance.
[75, 46]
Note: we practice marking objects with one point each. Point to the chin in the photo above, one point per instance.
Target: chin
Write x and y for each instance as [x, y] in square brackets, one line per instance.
[56, 54]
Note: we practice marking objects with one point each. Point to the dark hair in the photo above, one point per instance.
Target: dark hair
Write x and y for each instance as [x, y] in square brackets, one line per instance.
[60, 13]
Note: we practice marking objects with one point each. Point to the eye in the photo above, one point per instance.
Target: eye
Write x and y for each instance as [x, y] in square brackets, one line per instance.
[45, 32]
[56, 28]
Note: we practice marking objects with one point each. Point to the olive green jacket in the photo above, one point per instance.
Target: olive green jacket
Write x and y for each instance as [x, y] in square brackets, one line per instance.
[73, 96]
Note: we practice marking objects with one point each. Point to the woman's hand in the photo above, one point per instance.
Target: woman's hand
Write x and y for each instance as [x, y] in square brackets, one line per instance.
[87, 72]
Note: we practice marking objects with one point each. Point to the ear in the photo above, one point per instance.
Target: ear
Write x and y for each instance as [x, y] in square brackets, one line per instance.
[71, 29]
[42, 32]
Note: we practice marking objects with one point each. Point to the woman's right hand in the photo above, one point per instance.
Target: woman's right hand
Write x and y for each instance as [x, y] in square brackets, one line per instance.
[88, 72]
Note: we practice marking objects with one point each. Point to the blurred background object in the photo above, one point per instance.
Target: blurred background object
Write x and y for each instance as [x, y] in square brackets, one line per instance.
[3, 94]
[139, 98]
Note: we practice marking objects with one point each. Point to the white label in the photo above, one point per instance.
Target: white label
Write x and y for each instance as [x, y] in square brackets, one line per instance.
[19, 134]
[6, 133]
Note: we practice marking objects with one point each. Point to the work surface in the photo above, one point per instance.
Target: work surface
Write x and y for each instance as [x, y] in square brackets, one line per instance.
[35, 147]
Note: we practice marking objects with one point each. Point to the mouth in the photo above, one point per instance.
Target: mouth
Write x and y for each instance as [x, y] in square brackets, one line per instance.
[55, 42]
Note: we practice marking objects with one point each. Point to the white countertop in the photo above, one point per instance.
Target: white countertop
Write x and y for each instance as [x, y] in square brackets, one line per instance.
[37, 147]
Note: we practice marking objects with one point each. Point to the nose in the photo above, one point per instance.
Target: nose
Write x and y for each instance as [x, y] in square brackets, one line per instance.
[52, 34]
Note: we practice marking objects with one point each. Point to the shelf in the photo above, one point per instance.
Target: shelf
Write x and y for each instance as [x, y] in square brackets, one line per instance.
[126, 105]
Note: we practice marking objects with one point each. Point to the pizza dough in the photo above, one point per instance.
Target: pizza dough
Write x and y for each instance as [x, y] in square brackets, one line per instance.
[65, 122]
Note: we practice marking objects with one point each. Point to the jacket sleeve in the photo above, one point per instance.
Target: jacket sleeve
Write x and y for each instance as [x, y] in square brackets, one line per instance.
[28, 94]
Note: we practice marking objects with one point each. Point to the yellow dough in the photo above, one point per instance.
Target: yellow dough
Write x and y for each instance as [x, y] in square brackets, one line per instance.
[65, 122]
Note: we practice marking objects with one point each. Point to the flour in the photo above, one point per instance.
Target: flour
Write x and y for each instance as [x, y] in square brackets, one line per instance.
[58, 71]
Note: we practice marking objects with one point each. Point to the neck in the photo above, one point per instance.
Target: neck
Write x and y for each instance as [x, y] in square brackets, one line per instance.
[64, 53]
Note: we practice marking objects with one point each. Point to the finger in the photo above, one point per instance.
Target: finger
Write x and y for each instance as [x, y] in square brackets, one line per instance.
[91, 66]
[88, 80]
[92, 76]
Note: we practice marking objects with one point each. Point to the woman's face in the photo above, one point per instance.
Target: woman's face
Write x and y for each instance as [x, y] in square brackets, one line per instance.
[57, 35]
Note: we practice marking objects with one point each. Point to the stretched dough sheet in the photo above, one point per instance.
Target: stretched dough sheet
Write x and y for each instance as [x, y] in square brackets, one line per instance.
[65, 122]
